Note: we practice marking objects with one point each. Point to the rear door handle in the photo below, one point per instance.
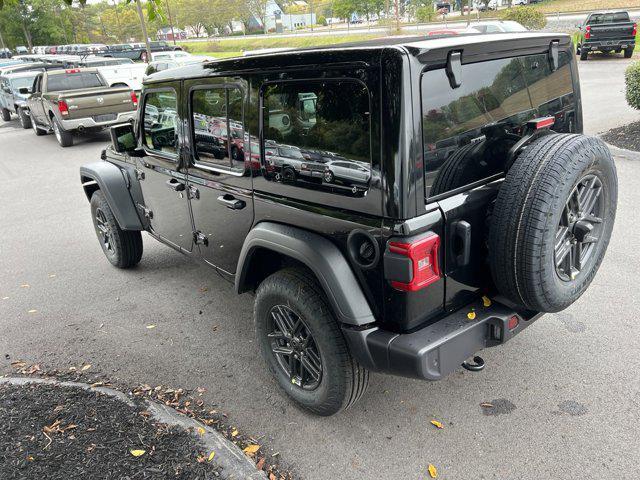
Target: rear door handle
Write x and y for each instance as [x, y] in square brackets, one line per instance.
[462, 234]
[175, 185]
[231, 202]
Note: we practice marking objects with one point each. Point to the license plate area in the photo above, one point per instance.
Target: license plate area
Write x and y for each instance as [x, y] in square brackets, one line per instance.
[107, 117]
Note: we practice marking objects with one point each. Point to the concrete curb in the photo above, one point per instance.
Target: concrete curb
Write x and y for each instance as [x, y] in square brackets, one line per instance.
[235, 464]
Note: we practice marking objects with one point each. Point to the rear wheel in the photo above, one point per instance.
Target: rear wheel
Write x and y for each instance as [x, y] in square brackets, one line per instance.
[65, 139]
[123, 248]
[628, 52]
[6, 115]
[303, 345]
[25, 119]
[552, 221]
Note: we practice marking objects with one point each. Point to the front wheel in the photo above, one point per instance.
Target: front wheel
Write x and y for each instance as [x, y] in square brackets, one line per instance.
[303, 345]
[25, 119]
[123, 248]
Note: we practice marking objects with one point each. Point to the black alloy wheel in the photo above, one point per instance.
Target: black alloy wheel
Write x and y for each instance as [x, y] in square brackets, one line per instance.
[294, 348]
[580, 227]
[103, 230]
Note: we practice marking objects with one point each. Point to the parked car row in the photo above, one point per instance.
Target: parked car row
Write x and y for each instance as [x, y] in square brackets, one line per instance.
[133, 51]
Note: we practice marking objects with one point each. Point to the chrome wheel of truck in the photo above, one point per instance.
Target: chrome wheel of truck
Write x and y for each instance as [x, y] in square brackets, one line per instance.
[65, 139]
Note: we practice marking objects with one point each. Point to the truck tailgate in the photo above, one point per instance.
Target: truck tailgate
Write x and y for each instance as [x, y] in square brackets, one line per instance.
[612, 31]
[98, 102]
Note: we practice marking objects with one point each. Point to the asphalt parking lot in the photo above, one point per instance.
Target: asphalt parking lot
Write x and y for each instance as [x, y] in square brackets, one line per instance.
[566, 391]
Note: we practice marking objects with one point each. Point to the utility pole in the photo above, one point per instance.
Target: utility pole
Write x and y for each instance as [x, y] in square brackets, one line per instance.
[144, 30]
[171, 22]
[2, 42]
[311, 13]
[397, 7]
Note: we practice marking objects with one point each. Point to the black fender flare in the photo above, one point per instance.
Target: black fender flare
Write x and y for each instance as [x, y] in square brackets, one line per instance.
[321, 256]
[115, 186]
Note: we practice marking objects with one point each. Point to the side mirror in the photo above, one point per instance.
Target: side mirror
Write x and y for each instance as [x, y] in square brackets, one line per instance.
[25, 91]
[123, 138]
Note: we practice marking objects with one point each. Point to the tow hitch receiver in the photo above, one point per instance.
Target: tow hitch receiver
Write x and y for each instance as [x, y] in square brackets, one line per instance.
[476, 366]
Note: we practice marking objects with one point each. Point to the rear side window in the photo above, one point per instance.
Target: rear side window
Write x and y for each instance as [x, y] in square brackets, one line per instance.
[218, 126]
[160, 121]
[74, 81]
[467, 132]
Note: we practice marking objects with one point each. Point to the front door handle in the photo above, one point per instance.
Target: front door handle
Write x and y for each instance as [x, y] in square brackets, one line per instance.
[231, 202]
[175, 185]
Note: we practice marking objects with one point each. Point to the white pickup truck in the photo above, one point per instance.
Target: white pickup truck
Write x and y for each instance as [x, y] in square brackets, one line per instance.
[118, 72]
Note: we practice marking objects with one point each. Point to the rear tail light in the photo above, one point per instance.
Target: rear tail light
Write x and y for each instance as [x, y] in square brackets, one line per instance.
[63, 107]
[134, 99]
[587, 33]
[423, 254]
[513, 322]
[635, 29]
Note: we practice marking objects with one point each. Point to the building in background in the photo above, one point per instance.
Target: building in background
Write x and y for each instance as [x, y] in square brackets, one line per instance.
[166, 34]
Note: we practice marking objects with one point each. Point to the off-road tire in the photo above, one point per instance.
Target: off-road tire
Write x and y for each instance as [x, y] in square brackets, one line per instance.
[65, 138]
[6, 115]
[628, 52]
[343, 379]
[126, 245]
[584, 54]
[527, 214]
[25, 120]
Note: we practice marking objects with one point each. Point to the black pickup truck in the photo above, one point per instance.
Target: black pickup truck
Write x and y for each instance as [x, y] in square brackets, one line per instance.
[457, 199]
[137, 51]
[607, 32]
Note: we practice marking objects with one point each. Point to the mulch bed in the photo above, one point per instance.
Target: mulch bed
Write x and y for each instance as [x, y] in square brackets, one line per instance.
[187, 402]
[49, 431]
[627, 136]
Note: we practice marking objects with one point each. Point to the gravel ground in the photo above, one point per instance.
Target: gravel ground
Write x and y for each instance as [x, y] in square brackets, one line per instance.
[48, 431]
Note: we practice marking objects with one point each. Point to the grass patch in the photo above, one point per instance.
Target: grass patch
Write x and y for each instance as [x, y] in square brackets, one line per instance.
[553, 6]
[238, 45]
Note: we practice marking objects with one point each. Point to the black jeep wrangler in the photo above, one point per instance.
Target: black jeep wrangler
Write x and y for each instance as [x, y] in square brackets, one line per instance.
[396, 205]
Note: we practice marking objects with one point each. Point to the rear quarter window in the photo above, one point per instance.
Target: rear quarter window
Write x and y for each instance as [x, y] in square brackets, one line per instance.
[467, 132]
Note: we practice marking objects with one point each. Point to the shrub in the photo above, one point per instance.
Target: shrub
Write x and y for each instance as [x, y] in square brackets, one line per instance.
[322, 21]
[530, 17]
[425, 14]
[632, 78]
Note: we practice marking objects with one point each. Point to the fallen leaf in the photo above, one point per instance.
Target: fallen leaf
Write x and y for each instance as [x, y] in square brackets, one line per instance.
[204, 289]
[260, 463]
[486, 405]
[86, 367]
[471, 315]
[25, 285]
[137, 453]
[52, 275]
[18, 364]
[433, 471]
[251, 449]
[32, 311]
[272, 477]
[30, 458]
[437, 424]
[234, 433]
[211, 455]
[201, 430]
[151, 326]
[486, 301]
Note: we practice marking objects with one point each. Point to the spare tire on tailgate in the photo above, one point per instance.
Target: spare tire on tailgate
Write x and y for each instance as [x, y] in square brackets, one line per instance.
[552, 221]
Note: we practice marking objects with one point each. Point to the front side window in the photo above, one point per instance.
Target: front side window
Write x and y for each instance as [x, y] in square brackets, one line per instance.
[161, 122]
[467, 132]
[218, 126]
[313, 128]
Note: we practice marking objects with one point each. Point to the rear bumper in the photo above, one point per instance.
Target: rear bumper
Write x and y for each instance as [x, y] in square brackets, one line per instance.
[610, 44]
[89, 122]
[433, 352]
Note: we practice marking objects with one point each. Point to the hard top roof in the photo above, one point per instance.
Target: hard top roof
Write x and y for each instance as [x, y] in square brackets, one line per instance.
[414, 44]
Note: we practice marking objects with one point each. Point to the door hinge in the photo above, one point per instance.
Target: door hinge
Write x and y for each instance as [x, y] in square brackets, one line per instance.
[200, 238]
[145, 211]
[193, 193]
[139, 174]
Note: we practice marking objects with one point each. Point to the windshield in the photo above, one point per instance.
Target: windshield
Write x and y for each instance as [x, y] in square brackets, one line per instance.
[512, 27]
[74, 81]
[22, 82]
[108, 62]
[599, 18]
